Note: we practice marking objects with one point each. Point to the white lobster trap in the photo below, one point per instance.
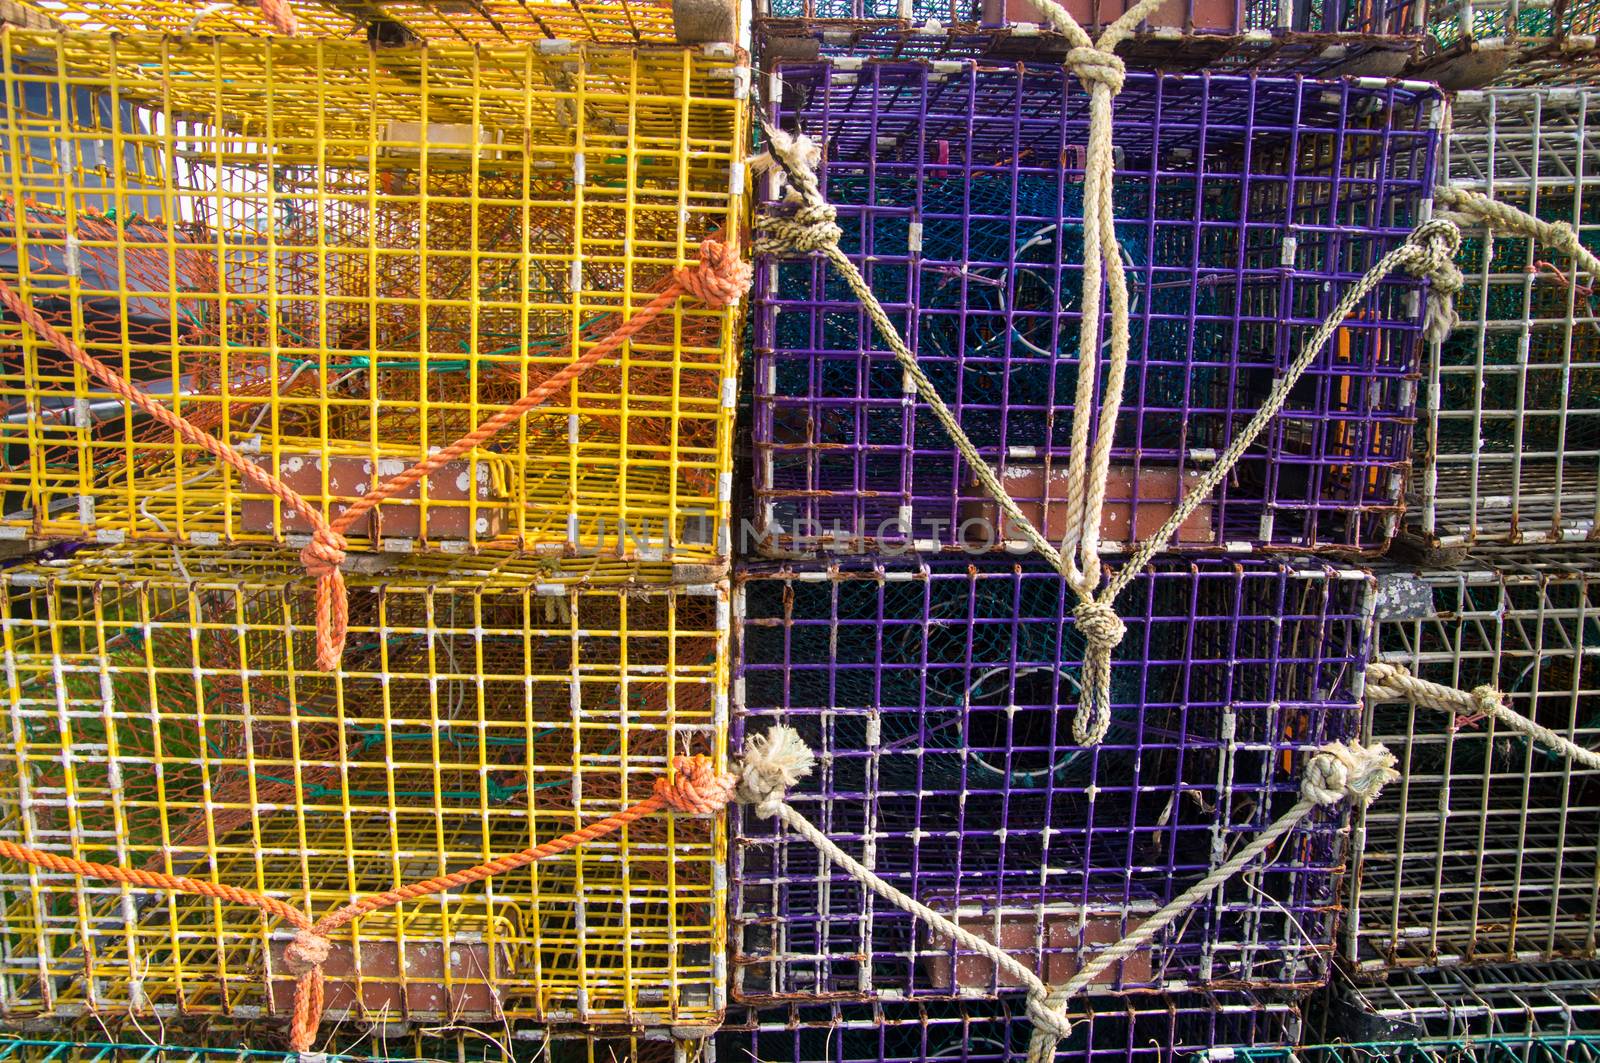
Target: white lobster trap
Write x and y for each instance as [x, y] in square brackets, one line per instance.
[1510, 439]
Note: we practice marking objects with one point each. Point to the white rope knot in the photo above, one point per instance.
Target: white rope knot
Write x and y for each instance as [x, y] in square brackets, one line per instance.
[772, 763]
[1096, 66]
[1486, 699]
[811, 227]
[1049, 1017]
[1102, 631]
[1433, 246]
[1100, 625]
[1342, 770]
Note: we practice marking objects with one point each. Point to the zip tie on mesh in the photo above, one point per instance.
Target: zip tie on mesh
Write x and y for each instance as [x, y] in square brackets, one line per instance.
[778, 759]
[696, 787]
[718, 280]
[1389, 681]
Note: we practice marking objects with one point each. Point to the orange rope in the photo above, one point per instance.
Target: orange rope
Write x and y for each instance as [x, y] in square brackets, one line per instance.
[280, 16]
[718, 280]
[696, 787]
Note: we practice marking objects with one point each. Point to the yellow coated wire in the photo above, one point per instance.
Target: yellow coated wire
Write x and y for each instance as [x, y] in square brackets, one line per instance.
[339, 257]
[493, 22]
[176, 721]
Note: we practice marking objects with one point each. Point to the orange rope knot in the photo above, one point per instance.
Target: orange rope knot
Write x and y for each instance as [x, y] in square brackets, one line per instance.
[307, 952]
[322, 557]
[697, 787]
[719, 279]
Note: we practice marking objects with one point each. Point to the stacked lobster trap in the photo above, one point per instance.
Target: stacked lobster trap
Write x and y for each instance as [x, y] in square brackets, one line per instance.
[178, 723]
[934, 696]
[1486, 850]
[890, 613]
[1472, 908]
[1511, 431]
[1367, 38]
[1133, 1028]
[334, 259]
[1245, 201]
[431, 233]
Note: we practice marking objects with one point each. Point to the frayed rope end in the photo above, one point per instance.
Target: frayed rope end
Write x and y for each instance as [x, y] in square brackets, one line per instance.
[772, 763]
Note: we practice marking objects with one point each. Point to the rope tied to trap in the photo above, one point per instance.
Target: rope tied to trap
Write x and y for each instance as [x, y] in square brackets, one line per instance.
[779, 759]
[718, 279]
[695, 787]
[806, 222]
[1391, 681]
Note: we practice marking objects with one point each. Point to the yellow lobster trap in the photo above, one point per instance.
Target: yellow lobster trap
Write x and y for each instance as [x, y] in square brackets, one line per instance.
[343, 260]
[390, 21]
[175, 721]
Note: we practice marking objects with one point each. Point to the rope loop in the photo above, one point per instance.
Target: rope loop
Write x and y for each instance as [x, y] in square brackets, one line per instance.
[324, 554]
[696, 787]
[1341, 770]
[1100, 625]
[1096, 66]
[1433, 246]
[810, 227]
[1440, 238]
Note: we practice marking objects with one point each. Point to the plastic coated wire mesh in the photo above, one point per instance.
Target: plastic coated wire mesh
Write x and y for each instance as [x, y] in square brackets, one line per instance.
[1512, 442]
[1486, 849]
[1247, 206]
[1554, 1048]
[1305, 36]
[1130, 1030]
[938, 696]
[384, 21]
[1519, 1000]
[1192, 16]
[338, 257]
[1454, 25]
[115, 1039]
[180, 724]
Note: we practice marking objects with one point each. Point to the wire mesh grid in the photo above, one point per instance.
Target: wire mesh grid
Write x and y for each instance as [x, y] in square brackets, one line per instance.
[1517, 1000]
[1132, 1029]
[1249, 205]
[1486, 850]
[383, 21]
[938, 696]
[1500, 41]
[337, 258]
[1512, 448]
[1552, 1048]
[116, 1039]
[179, 724]
[1305, 37]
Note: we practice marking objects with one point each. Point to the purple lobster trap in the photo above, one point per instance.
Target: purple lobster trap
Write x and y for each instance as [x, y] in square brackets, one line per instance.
[1248, 205]
[1179, 1027]
[1371, 37]
[939, 695]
